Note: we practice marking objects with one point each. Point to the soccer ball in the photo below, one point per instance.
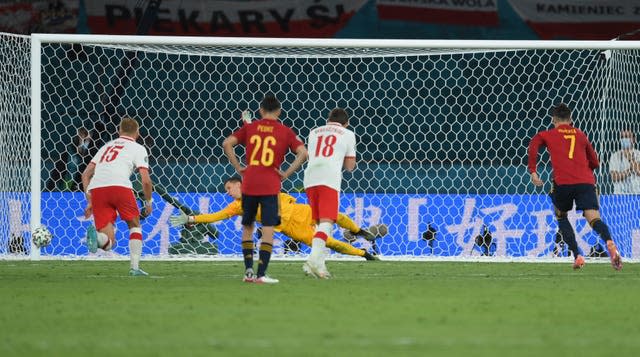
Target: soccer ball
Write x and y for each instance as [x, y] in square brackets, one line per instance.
[41, 237]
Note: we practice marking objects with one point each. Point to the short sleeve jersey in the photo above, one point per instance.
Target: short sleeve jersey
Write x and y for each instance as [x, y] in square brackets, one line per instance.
[328, 145]
[266, 142]
[116, 161]
[572, 156]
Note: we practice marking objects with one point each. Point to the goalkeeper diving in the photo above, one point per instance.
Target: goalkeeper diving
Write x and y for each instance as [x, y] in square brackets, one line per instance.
[295, 221]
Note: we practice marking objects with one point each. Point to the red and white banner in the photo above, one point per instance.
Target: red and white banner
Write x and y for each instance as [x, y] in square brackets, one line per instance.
[25, 17]
[270, 18]
[579, 19]
[452, 12]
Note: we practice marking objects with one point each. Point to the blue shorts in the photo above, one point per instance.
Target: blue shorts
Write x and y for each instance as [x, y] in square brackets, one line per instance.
[269, 207]
[583, 194]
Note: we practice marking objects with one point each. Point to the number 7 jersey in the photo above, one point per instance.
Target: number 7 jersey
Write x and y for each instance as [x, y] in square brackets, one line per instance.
[116, 161]
[328, 146]
[572, 156]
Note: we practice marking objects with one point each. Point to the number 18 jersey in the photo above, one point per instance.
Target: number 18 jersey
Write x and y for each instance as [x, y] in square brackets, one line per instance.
[328, 146]
[116, 161]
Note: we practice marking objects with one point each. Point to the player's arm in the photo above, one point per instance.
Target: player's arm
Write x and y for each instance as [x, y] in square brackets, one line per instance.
[213, 217]
[87, 174]
[534, 145]
[301, 157]
[233, 209]
[349, 163]
[227, 145]
[592, 157]
[147, 189]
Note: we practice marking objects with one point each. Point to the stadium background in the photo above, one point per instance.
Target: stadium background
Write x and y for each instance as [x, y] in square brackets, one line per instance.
[419, 135]
[341, 19]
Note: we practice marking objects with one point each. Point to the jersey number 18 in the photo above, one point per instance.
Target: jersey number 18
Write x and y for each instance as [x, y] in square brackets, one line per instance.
[325, 145]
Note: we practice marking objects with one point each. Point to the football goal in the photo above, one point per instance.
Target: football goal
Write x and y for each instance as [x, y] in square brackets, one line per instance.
[442, 129]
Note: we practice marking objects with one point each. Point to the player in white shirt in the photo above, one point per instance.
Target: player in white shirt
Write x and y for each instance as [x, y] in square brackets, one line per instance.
[332, 148]
[109, 192]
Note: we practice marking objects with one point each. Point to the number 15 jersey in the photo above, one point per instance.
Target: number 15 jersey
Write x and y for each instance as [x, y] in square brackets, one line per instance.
[116, 161]
[328, 146]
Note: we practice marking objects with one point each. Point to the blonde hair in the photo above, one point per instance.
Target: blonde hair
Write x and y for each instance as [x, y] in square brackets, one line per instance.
[129, 126]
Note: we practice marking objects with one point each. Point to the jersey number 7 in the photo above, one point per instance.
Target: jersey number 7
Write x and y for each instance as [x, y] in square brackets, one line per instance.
[572, 146]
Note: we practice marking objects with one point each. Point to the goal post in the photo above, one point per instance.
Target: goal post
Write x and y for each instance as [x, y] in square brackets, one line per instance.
[442, 129]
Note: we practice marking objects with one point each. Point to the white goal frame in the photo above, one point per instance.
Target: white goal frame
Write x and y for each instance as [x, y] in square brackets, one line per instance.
[471, 45]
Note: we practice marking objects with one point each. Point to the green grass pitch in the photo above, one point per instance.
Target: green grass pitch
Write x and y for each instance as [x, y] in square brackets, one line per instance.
[92, 308]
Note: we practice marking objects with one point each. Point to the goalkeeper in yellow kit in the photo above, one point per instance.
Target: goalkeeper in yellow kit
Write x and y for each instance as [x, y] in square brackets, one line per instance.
[295, 221]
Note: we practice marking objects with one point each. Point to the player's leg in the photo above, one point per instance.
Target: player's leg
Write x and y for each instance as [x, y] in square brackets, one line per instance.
[324, 206]
[353, 229]
[587, 201]
[562, 197]
[569, 237]
[303, 232]
[249, 211]
[102, 234]
[135, 247]
[301, 228]
[106, 236]
[130, 213]
[270, 218]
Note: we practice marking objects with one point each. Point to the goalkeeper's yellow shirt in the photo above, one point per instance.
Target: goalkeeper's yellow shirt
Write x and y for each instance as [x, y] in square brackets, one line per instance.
[287, 207]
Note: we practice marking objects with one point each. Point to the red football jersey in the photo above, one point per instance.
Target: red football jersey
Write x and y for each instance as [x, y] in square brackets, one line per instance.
[572, 156]
[266, 142]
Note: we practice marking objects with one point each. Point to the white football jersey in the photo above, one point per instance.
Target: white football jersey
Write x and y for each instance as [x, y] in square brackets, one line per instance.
[328, 146]
[116, 161]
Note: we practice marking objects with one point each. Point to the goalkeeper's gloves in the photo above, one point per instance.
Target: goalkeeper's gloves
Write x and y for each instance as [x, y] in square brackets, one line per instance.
[181, 219]
[246, 116]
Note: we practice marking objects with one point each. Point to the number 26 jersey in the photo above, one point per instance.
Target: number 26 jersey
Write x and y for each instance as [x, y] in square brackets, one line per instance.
[328, 146]
[267, 142]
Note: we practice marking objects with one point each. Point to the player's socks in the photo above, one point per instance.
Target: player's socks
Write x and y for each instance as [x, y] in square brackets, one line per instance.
[369, 256]
[318, 244]
[601, 228]
[103, 241]
[347, 223]
[135, 247]
[265, 256]
[568, 236]
[344, 248]
[247, 253]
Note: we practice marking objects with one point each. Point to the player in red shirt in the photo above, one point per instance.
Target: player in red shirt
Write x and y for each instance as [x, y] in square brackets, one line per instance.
[573, 161]
[267, 141]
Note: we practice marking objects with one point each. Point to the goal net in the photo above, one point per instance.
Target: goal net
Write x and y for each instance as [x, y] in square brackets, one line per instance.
[442, 132]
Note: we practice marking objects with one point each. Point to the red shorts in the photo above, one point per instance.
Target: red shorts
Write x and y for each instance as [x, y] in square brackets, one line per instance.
[110, 201]
[324, 202]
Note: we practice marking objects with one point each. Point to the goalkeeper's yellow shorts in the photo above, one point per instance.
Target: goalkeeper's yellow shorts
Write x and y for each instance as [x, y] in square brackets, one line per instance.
[300, 226]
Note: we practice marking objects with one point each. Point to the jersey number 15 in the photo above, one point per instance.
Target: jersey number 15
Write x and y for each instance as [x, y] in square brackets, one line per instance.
[111, 153]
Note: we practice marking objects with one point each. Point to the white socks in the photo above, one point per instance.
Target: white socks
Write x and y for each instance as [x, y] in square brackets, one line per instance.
[135, 251]
[102, 240]
[318, 245]
[135, 247]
